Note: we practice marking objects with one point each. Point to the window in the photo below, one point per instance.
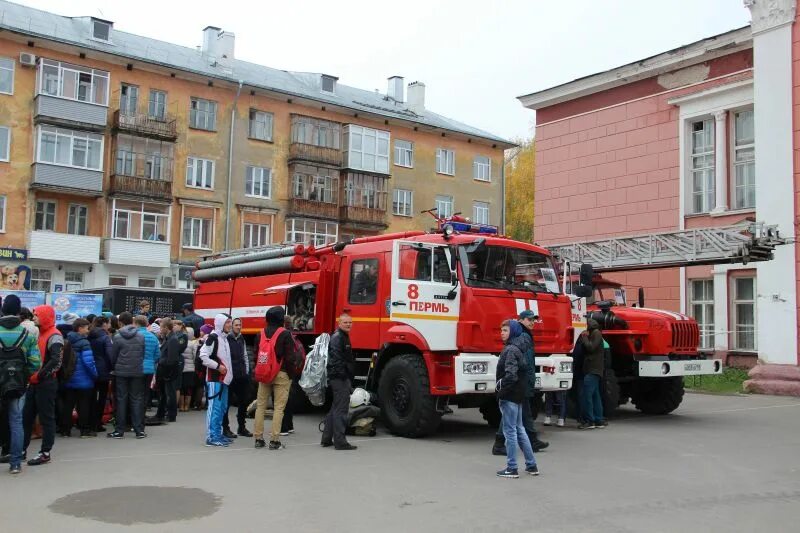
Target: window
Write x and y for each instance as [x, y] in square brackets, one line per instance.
[403, 202]
[128, 99]
[45, 216]
[255, 235]
[419, 262]
[744, 159]
[482, 168]
[702, 309]
[157, 105]
[197, 233]
[70, 148]
[147, 283]
[364, 281]
[72, 82]
[328, 84]
[703, 166]
[2, 214]
[6, 75]
[480, 213]
[404, 154]
[444, 206]
[313, 232]
[144, 158]
[308, 130]
[445, 161]
[258, 182]
[315, 188]
[73, 281]
[5, 143]
[203, 114]
[362, 190]
[140, 221]
[200, 173]
[41, 279]
[101, 30]
[366, 149]
[260, 125]
[77, 219]
[117, 280]
[744, 314]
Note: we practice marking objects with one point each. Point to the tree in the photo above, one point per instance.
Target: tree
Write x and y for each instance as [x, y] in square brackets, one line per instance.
[520, 167]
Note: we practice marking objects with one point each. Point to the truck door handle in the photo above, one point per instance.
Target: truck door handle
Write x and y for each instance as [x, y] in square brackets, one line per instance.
[398, 303]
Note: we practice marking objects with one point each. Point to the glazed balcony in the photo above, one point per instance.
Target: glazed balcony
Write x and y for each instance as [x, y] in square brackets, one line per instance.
[144, 175]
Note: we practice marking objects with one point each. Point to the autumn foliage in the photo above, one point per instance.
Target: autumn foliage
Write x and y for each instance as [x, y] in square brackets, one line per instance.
[520, 170]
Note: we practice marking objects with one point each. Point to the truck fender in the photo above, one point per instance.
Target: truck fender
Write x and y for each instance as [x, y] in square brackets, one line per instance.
[405, 334]
[399, 339]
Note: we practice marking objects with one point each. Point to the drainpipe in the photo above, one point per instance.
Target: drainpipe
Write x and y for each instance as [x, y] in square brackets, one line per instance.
[230, 165]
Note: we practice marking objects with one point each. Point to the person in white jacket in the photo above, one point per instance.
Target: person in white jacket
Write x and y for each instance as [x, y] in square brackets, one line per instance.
[216, 357]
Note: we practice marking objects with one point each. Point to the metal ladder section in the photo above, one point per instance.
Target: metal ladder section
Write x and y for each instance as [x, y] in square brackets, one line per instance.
[740, 243]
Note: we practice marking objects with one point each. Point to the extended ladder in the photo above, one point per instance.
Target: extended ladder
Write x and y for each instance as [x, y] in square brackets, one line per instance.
[740, 243]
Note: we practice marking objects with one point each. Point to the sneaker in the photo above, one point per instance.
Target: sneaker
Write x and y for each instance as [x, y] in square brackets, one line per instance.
[260, 443]
[244, 433]
[326, 444]
[510, 473]
[284, 433]
[346, 447]
[141, 435]
[41, 459]
[291, 431]
[14, 469]
[539, 445]
[275, 445]
[560, 423]
[547, 421]
[115, 435]
[228, 434]
[217, 443]
[586, 425]
[600, 425]
[532, 470]
[226, 439]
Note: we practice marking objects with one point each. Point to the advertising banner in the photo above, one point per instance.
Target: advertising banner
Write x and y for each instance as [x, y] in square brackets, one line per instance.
[29, 299]
[77, 303]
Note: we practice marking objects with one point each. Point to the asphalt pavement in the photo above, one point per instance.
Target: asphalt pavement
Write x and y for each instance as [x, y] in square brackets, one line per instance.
[719, 463]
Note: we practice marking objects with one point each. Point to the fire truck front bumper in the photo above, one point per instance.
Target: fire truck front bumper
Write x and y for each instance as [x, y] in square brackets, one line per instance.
[475, 373]
[668, 369]
[554, 373]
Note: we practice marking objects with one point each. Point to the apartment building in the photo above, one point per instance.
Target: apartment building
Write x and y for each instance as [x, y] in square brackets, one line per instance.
[123, 159]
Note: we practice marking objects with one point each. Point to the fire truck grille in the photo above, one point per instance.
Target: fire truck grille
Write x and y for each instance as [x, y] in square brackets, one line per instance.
[685, 335]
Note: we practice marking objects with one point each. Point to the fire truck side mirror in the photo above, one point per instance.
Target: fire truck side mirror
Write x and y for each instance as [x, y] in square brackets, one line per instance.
[587, 274]
[583, 291]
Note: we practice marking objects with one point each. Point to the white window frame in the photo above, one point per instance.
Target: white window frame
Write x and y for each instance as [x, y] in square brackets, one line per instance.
[403, 203]
[309, 231]
[705, 300]
[4, 65]
[370, 141]
[445, 161]
[404, 155]
[68, 69]
[141, 213]
[482, 168]
[208, 115]
[119, 277]
[45, 215]
[261, 176]
[73, 280]
[261, 120]
[77, 208]
[706, 193]
[146, 285]
[736, 164]
[3, 203]
[96, 23]
[5, 155]
[155, 109]
[255, 235]
[70, 136]
[446, 202]
[195, 164]
[125, 100]
[480, 213]
[735, 302]
[322, 81]
[36, 278]
[189, 223]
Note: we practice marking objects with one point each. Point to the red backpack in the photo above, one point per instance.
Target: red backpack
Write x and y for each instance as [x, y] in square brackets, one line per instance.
[267, 365]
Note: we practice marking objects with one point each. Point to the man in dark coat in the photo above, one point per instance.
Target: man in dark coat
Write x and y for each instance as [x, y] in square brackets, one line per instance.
[240, 386]
[341, 370]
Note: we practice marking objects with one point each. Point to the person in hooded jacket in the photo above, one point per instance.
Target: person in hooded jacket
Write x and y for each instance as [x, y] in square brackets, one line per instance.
[40, 399]
[240, 385]
[189, 377]
[100, 340]
[152, 351]
[80, 387]
[216, 357]
[591, 341]
[511, 376]
[127, 363]
[169, 370]
[279, 388]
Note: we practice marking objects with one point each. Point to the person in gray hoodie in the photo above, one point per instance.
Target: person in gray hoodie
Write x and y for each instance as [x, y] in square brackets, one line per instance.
[127, 362]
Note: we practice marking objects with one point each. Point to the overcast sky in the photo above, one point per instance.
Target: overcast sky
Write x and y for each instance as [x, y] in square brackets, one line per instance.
[475, 57]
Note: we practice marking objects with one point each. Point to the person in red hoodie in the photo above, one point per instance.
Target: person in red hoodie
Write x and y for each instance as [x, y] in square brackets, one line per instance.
[41, 396]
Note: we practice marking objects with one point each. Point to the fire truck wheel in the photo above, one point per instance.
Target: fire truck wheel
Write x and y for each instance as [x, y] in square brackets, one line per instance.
[657, 396]
[491, 412]
[408, 407]
[610, 393]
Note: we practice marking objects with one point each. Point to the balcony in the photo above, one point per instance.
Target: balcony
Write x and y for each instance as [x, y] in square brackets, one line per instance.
[315, 154]
[138, 186]
[312, 208]
[137, 253]
[144, 125]
[64, 247]
[146, 175]
[67, 179]
[362, 215]
[70, 113]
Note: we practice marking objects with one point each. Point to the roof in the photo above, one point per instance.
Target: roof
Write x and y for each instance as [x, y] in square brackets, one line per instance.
[76, 31]
[671, 60]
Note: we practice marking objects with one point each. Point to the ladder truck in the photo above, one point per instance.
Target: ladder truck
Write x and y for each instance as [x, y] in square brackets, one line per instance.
[651, 349]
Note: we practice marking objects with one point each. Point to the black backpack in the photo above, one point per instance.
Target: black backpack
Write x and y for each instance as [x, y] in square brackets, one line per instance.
[68, 361]
[13, 369]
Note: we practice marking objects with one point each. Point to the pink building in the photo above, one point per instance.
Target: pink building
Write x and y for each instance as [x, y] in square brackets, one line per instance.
[704, 135]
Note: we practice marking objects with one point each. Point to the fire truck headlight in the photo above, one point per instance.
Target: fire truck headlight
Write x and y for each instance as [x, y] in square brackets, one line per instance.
[448, 230]
[538, 384]
[476, 368]
[565, 367]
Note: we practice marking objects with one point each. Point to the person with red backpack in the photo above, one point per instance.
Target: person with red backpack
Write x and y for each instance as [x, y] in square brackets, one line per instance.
[275, 345]
[216, 357]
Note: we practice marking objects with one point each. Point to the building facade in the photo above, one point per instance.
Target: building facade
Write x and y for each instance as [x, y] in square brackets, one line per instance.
[700, 136]
[127, 158]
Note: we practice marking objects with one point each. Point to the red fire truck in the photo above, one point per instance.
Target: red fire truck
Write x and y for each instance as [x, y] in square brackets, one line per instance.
[426, 309]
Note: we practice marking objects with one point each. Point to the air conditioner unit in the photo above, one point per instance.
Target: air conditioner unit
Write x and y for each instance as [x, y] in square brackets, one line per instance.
[27, 59]
[168, 282]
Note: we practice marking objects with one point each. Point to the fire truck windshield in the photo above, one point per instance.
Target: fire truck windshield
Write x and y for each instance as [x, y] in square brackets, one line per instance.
[500, 266]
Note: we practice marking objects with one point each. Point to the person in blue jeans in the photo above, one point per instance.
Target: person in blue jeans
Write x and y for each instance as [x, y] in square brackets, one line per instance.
[550, 399]
[216, 356]
[511, 375]
[591, 341]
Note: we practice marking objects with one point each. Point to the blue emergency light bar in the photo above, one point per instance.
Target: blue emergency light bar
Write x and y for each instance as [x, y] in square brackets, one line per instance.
[465, 227]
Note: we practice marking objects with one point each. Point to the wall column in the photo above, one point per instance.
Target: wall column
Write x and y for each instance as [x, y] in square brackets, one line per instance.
[720, 162]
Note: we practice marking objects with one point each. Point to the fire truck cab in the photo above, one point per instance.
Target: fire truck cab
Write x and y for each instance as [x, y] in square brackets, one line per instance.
[426, 309]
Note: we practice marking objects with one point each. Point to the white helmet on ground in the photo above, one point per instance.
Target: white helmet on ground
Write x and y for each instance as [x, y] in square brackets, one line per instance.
[358, 398]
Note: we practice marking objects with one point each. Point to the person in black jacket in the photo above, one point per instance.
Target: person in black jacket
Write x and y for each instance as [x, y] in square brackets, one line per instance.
[168, 372]
[341, 369]
[512, 381]
[279, 388]
[240, 385]
[591, 341]
[100, 340]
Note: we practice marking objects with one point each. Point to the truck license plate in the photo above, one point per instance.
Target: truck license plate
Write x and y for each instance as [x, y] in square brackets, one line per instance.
[691, 367]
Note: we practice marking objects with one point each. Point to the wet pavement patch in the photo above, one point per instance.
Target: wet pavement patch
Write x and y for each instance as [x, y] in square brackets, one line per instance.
[138, 504]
